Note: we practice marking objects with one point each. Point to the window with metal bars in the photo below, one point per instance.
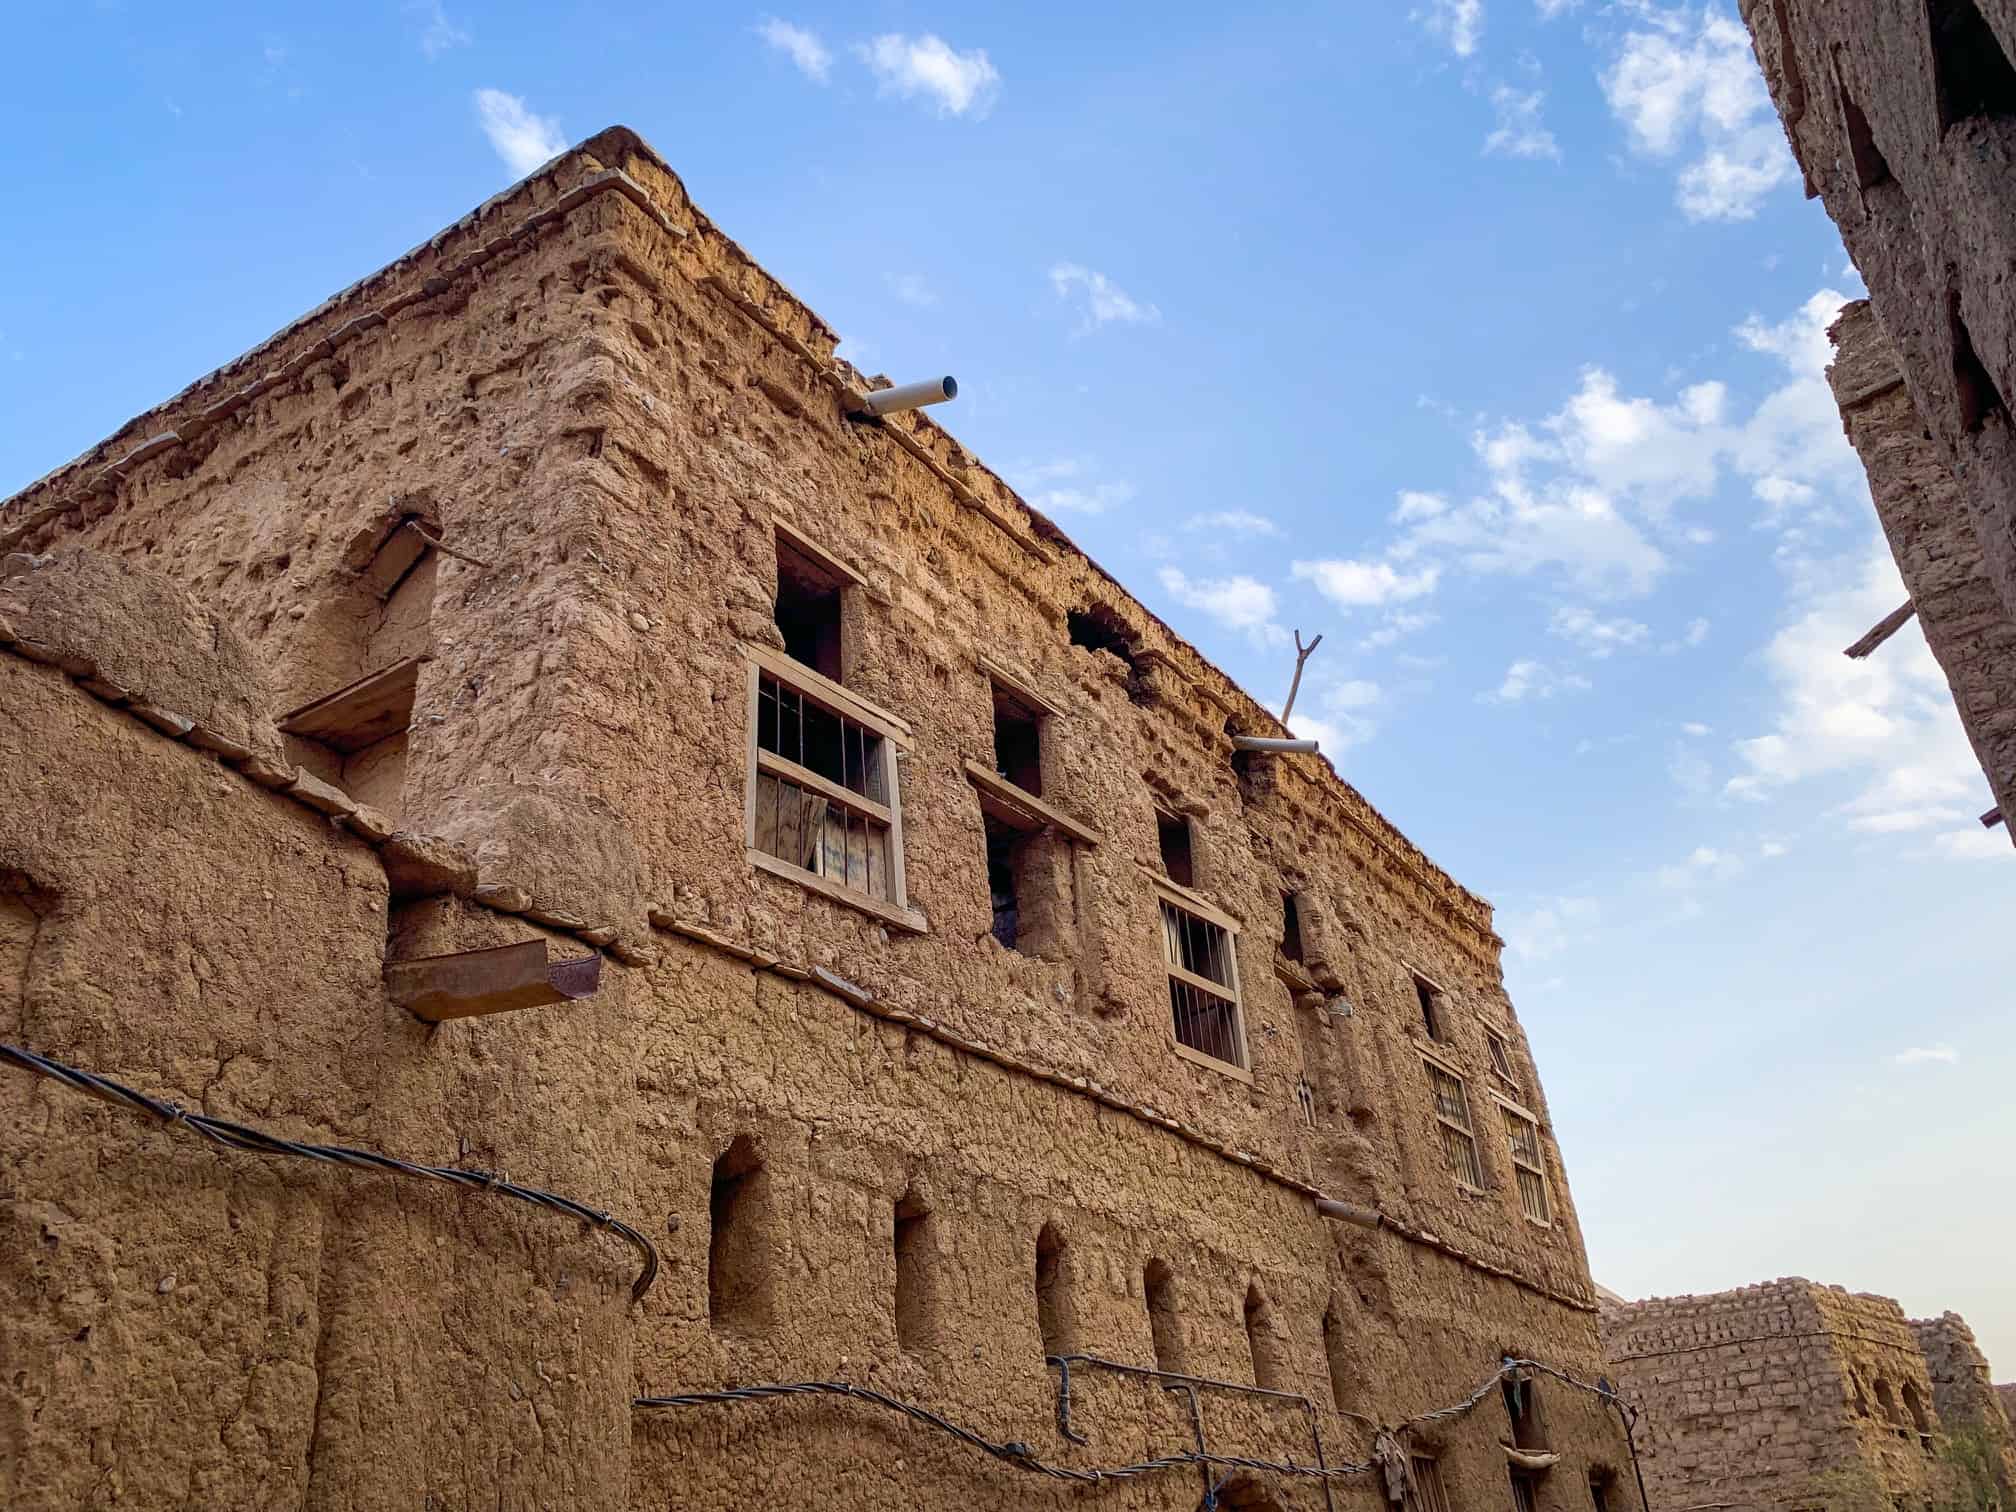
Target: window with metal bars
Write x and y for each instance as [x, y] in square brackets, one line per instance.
[1528, 1164]
[1452, 1122]
[824, 790]
[1429, 1495]
[1203, 985]
[1525, 1492]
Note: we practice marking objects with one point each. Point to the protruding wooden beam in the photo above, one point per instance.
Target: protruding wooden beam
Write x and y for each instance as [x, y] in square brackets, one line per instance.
[1992, 818]
[474, 982]
[1886, 627]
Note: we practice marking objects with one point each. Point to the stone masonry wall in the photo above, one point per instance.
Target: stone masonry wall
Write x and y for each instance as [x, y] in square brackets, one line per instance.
[1963, 1397]
[603, 413]
[1784, 1394]
[1965, 622]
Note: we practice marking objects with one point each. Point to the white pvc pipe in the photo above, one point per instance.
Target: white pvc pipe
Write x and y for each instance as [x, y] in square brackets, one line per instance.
[909, 396]
[1274, 747]
[1347, 1212]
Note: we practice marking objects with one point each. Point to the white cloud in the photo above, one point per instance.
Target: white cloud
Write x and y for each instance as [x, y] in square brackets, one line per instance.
[1238, 603]
[438, 34]
[1234, 521]
[1399, 623]
[1549, 9]
[1693, 728]
[1549, 927]
[1519, 131]
[1974, 843]
[911, 289]
[1690, 770]
[525, 141]
[1597, 636]
[1924, 1055]
[1360, 585]
[1528, 678]
[955, 83]
[1686, 83]
[1695, 633]
[1066, 486]
[1102, 301]
[1415, 505]
[802, 47]
[1338, 714]
[1770, 850]
[1460, 23]
[1703, 864]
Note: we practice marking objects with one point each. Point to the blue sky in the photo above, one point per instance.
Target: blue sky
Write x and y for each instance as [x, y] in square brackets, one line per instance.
[1483, 337]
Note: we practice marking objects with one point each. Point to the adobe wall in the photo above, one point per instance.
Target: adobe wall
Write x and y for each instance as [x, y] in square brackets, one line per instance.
[1963, 1397]
[1784, 1394]
[1930, 534]
[602, 409]
[1926, 204]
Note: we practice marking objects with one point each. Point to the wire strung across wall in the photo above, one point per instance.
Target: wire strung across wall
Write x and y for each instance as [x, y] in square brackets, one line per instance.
[236, 1136]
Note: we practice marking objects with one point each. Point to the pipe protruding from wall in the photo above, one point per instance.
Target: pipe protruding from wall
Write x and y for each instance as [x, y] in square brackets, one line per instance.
[1347, 1212]
[1267, 745]
[909, 396]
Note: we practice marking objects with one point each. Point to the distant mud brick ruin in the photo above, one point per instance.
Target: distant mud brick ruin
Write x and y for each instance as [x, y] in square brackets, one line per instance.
[801, 921]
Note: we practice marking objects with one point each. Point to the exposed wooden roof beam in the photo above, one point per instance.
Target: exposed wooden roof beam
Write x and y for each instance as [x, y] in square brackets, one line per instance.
[1886, 627]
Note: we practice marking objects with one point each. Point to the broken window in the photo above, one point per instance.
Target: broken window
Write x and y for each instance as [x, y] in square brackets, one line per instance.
[1970, 70]
[916, 1320]
[1980, 398]
[1053, 1301]
[823, 798]
[1522, 1134]
[1165, 1326]
[738, 1270]
[1172, 837]
[1261, 1342]
[1428, 1493]
[1018, 741]
[808, 607]
[1501, 1055]
[1203, 984]
[1008, 851]
[1452, 1122]
[1430, 997]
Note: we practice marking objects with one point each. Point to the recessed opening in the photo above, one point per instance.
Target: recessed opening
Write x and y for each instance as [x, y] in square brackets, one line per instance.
[1921, 1421]
[808, 610]
[1008, 857]
[1861, 1397]
[1428, 1482]
[1431, 1007]
[1100, 629]
[1291, 927]
[1172, 837]
[915, 1316]
[1969, 68]
[738, 1252]
[1018, 742]
[1601, 1483]
[1334, 1357]
[1053, 1301]
[1165, 1325]
[1979, 396]
[1886, 1401]
[1525, 1491]
[1871, 168]
[1261, 1341]
[1522, 1406]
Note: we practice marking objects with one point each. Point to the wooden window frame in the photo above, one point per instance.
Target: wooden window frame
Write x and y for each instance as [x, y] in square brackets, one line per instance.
[1468, 1130]
[822, 691]
[1536, 1167]
[1186, 901]
[1499, 1048]
[1434, 1496]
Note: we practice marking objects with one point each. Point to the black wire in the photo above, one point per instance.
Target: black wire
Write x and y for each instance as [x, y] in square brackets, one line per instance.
[236, 1136]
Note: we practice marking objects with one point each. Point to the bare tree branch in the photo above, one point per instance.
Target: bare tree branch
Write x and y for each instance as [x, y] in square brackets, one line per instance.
[1301, 656]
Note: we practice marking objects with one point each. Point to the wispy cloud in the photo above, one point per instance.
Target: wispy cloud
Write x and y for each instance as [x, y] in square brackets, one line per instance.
[1459, 23]
[1597, 636]
[438, 34]
[1548, 927]
[912, 289]
[1234, 522]
[1068, 485]
[926, 68]
[1100, 301]
[523, 140]
[806, 52]
[1927, 1055]
[1337, 714]
[1704, 863]
[1352, 584]
[1531, 678]
[1238, 603]
[1519, 131]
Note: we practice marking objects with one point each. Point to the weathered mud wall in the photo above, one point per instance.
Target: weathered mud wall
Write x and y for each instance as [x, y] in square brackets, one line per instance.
[602, 412]
[1963, 1398]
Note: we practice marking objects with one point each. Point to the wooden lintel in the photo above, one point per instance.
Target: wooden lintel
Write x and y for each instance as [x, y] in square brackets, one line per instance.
[395, 558]
[1022, 810]
[474, 982]
[376, 705]
[1886, 627]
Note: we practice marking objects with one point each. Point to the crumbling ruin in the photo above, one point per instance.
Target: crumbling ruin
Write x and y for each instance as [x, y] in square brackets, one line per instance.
[1800, 1397]
[515, 720]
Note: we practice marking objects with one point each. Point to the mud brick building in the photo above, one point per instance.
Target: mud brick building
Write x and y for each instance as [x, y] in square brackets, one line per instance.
[1797, 1396]
[892, 931]
[1964, 1400]
[1902, 115]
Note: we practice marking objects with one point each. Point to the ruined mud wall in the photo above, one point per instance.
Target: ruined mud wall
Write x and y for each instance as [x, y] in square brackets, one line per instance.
[1962, 1397]
[1778, 1395]
[596, 403]
[1930, 534]
[1903, 118]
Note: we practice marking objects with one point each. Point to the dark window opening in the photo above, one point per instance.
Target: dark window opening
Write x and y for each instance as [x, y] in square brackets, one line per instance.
[1100, 629]
[1172, 835]
[1291, 928]
[1969, 68]
[1018, 743]
[1053, 1303]
[1261, 1340]
[1525, 1491]
[1871, 168]
[1007, 856]
[1431, 1008]
[1921, 1422]
[914, 1313]
[808, 610]
[1333, 1356]
[1600, 1482]
[738, 1281]
[1158, 1286]
[1522, 1406]
[1979, 397]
